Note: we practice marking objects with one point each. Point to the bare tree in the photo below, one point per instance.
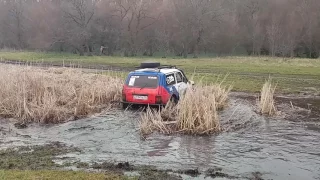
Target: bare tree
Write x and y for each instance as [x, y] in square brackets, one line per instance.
[252, 24]
[274, 35]
[140, 18]
[163, 36]
[79, 15]
[14, 23]
[194, 19]
[291, 34]
[183, 27]
[2, 21]
[309, 13]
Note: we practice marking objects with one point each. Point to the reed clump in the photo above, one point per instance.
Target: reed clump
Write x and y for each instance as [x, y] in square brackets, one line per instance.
[151, 121]
[195, 113]
[266, 101]
[54, 95]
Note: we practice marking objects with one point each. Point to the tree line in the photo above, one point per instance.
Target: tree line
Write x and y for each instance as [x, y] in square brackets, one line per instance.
[286, 28]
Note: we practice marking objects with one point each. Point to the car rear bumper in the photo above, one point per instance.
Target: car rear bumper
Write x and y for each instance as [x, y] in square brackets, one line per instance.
[142, 104]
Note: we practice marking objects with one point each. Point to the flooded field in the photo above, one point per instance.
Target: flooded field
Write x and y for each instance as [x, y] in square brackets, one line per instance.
[252, 146]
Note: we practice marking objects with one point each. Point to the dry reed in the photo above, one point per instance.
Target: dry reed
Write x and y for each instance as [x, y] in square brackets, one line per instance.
[266, 103]
[54, 95]
[195, 113]
[152, 120]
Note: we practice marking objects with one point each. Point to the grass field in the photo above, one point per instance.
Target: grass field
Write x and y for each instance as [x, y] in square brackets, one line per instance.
[247, 74]
[52, 175]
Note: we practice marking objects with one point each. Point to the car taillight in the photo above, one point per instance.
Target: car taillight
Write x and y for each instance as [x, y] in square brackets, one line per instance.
[158, 100]
[124, 98]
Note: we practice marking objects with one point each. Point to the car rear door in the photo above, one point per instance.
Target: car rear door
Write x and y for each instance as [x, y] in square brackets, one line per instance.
[142, 88]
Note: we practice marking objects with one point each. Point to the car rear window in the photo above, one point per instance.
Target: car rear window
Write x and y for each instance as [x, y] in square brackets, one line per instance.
[143, 81]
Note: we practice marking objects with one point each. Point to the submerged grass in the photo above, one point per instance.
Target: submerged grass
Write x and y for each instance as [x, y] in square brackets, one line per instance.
[33, 157]
[195, 113]
[266, 103]
[54, 95]
[151, 121]
[38, 162]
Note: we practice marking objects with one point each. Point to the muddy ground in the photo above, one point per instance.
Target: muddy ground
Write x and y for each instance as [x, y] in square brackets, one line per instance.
[251, 147]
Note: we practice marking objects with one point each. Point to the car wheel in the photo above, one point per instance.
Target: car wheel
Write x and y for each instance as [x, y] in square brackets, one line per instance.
[125, 106]
[174, 100]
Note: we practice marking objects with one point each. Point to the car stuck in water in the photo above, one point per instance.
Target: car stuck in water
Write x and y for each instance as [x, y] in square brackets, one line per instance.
[153, 84]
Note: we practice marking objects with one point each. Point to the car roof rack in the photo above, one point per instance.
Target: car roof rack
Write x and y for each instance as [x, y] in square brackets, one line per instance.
[167, 67]
[158, 67]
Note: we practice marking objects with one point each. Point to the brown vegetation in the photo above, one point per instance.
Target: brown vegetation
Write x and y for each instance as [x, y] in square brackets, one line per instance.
[195, 113]
[266, 103]
[54, 95]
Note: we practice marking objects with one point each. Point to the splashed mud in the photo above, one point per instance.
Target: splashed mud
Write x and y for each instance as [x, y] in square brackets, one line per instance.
[251, 147]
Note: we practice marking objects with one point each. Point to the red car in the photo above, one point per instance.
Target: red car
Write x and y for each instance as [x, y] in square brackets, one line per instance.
[153, 84]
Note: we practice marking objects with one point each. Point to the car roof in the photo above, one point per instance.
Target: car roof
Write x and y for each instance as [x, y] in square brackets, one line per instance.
[155, 70]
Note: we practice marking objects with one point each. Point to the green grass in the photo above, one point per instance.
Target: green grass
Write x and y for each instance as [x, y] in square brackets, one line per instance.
[35, 157]
[246, 73]
[53, 175]
[38, 162]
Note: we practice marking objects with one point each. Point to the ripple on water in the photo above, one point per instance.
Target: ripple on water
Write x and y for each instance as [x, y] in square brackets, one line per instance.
[276, 148]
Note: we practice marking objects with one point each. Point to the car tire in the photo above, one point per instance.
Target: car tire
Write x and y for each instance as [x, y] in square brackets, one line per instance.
[174, 100]
[125, 106]
[149, 65]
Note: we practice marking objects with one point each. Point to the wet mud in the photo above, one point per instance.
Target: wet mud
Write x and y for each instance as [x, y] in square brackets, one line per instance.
[251, 147]
[33, 157]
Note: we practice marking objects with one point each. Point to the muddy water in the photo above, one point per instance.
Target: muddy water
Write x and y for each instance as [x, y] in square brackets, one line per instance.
[276, 148]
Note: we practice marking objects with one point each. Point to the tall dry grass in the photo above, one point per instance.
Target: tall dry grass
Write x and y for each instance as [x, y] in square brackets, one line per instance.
[54, 95]
[151, 121]
[195, 113]
[266, 102]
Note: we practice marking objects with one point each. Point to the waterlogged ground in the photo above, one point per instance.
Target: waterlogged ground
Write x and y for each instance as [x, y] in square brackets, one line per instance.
[252, 146]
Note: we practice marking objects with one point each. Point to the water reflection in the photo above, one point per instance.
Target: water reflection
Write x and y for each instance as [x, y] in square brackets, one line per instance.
[160, 146]
[201, 150]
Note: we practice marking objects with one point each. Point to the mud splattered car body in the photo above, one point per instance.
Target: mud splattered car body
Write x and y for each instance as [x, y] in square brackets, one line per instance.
[154, 86]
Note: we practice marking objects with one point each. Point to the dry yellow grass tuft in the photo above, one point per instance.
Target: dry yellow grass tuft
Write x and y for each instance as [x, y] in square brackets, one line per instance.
[54, 95]
[152, 120]
[266, 103]
[196, 112]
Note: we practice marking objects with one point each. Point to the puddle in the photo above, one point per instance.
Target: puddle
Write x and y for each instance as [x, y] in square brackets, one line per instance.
[252, 144]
